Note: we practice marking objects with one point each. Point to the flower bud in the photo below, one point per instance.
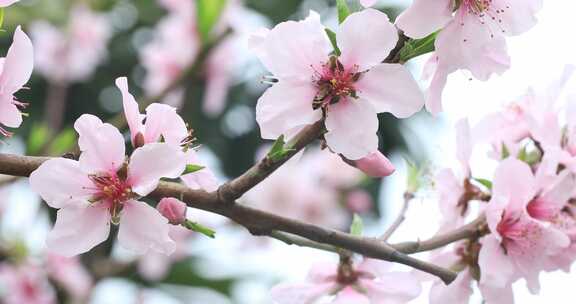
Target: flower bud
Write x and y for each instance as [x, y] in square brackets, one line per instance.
[359, 201]
[172, 209]
[375, 164]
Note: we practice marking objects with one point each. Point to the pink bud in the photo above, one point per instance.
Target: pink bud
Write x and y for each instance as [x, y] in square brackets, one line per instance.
[375, 165]
[359, 201]
[172, 209]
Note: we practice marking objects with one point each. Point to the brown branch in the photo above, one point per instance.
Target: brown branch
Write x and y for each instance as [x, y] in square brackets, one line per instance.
[474, 229]
[400, 219]
[256, 221]
[234, 189]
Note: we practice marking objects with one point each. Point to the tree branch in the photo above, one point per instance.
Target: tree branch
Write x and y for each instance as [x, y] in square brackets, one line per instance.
[400, 219]
[234, 189]
[474, 229]
[256, 221]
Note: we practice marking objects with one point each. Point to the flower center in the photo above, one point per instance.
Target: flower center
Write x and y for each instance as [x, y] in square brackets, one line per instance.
[334, 82]
[477, 6]
[517, 233]
[113, 191]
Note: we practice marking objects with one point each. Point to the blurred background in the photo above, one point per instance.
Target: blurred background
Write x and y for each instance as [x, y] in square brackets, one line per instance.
[194, 55]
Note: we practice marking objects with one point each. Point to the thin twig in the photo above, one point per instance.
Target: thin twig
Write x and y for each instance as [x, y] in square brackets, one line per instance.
[399, 219]
[474, 229]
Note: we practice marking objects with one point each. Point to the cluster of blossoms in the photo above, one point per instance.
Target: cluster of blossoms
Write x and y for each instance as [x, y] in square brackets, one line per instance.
[528, 205]
[176, 44]
[71, 54]
[31, 281]
[527, 212]
[103, 186]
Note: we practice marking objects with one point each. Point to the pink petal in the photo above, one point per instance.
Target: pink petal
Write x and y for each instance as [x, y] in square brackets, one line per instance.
[352, 126]
[78, 229]
[202, 179]
[457, 292]
[395, 287]
[391, 88]
[497, 268]
[322, 272]
[518, 17]
[10, 115]
[424, 17]
[365, 39]
[142, 228]
[437, 84]
[5, 3]
[162, 120]
[471, 46]
[286, 106]
[18, 63]
[299, 293]
[101, 144]
[367, 3]
[60, 182]
[492, 295]
[131, 110]
[154, 161]
[293, 49]
[349, 295]
[514, 180]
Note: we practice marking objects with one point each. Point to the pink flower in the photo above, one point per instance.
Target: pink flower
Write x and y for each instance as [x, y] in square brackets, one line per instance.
[173, 48]
[368, 282]
[162, 122]
[172, 209]
[519, 246]
[472, 36]
[375, 164]
[100, 188]
[451, 184]
[15, 70]
[25, 283]
[349, 90]
[72, 54]
[70, 274]
[359, 201]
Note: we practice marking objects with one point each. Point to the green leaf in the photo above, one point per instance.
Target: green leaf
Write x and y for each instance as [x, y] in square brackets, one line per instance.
[484, 182]
[417, 47]
[199, 228]
[64, 142]
[37, 138]
[505, 151]
[190, 168]
[357, 225]
[332, 37]
[413, 178]
[1, 17]
[522, 154]
[279, 149]
[343, 10]
[208, 13]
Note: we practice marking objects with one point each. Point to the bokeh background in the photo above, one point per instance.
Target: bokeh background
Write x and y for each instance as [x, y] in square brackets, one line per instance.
[235, 267]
